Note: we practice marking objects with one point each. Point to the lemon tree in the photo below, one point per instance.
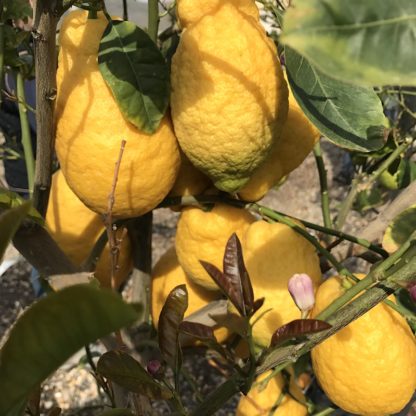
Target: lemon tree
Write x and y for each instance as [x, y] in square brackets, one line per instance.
[206, 117]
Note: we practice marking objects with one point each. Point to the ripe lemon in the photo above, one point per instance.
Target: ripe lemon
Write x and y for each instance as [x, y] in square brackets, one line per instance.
[203, 235]
[273, 253]
[229, 99]
[76, 229]
[369, 367]
[190, 180]
[298, 137]
[188, 13]
[258, 403]
[168, 274]
[90, 128]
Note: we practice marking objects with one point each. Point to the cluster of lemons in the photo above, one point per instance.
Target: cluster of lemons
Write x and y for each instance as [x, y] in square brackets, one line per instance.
[234, 126]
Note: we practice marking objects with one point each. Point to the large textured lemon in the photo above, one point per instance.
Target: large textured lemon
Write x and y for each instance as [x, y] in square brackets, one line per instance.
[260, 402]
[190, 180]
[229, 99]
[273, 253]
[296, 141]
[203, 235]
[168, 274]
[90, 128]
[369, 367]
[76, 229]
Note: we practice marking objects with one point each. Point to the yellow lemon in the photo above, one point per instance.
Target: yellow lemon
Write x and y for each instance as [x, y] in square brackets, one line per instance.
[168, 274]
[369, 367]
[203, 235]
[90, 128]
[189, 13]
[260, 402]
[273, 253]
[190, 180]
[229, 99]
[76, 229]
[298, 137]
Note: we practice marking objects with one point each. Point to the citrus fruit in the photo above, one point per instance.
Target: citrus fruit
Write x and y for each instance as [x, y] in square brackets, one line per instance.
[260, 402]
[76, 229]
[298, 137]
[168, 274]
[203, 235]
[369, 367]
[273, 253]
[229, 99]
[190, 180]
[90, 128]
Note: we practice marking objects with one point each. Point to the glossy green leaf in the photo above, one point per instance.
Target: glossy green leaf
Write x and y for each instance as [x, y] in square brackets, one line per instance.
[9, 199]
[136, 72]
[52, 330]
[400, 229]
[350, 116]
[9, 223]
[124, 370]
[368, 198]
[171, 316]
[370, 42]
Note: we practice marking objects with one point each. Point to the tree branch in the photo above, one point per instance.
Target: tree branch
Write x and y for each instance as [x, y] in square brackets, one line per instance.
[44, 33]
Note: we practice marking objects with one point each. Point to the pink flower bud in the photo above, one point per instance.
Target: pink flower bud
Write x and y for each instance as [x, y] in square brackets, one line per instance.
[301, 288]
[154, 368]
[412, 291]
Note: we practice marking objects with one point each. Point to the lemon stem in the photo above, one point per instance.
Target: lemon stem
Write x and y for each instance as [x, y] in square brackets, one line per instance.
[153, 19]
[324, 185]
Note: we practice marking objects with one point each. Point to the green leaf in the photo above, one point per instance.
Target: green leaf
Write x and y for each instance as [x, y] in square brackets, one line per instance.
[124, 370]
[170, 318]
[350, 116]
[400, 229]
[17, 9]
[50, 331]
[9, 223]
[370, 42]
[9, 199]
[136, 73]
[368, 198]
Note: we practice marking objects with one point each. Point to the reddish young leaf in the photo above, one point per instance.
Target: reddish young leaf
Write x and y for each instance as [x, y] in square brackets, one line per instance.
[235, 270]
[258, 303]
[196, 330]
[296, 328]
[228, 287]
[168, 331]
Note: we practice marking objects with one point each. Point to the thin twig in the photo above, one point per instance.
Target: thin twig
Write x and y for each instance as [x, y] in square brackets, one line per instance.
[111, 232]
[26, 136]
[324, 185]
[108, 217]
[153, 19]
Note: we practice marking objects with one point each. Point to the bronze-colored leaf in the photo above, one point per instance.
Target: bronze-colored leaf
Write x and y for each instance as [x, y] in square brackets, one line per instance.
[196, 330]
[170, 318]
[124, 370]
[227, 286]
[235, 270]
[258, 303]
[297, 328]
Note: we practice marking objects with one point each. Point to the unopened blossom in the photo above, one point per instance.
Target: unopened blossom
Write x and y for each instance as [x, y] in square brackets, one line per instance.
[301, 289]
[412, 291]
